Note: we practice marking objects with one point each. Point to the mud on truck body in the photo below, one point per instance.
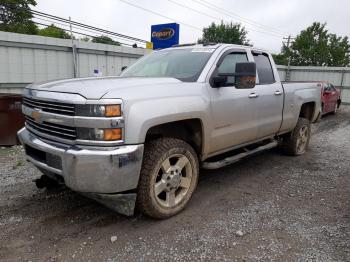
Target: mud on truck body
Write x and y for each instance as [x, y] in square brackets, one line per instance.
[140, 139]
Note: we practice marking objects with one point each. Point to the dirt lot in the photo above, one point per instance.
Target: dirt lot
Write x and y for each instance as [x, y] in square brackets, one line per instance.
[288, 208]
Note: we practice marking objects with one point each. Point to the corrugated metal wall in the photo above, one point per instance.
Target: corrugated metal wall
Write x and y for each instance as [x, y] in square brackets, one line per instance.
[338, 76]
[25, 59]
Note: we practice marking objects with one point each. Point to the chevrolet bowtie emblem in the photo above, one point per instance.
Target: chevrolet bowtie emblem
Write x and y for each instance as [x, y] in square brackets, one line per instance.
[36, 114]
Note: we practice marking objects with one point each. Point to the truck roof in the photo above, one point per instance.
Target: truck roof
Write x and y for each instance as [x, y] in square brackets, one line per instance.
[214, 46]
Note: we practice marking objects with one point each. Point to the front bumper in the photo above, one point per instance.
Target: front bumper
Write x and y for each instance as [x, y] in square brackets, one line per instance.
[84, 170]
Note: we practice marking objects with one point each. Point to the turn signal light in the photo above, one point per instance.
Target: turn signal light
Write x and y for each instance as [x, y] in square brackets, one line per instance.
[113, 110]
[113, 134]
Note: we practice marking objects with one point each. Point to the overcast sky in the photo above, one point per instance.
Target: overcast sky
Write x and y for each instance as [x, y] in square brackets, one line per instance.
[277, 18]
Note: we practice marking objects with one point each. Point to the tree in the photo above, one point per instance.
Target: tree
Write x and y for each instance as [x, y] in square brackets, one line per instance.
[103, 39]
[280, 59]
[225, 33]
[340, 51]
[85, 39]
[15, 16]
[54, 31]
[315, 46]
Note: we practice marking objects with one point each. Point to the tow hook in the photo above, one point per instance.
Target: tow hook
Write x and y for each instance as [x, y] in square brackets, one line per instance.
[46, 182]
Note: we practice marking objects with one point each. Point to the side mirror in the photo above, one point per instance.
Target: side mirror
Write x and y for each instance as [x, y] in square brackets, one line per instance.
[219, 81]
[123, 68]
[245, 75]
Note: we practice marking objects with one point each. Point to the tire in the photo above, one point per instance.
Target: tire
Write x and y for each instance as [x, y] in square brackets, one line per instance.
[296, 143]
[168, 178]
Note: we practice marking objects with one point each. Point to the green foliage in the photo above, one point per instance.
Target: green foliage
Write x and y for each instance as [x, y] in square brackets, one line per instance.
[280, 59]
[340, 51]
[15, 16]
[103, 39]
[315, 46]
[54, 31]
[85, 39]
[225, 33]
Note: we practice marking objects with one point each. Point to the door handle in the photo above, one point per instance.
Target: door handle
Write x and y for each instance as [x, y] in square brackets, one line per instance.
[253, 95]
[278, 93]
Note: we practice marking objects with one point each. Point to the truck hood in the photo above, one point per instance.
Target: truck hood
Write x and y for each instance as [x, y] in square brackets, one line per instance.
[97, 87]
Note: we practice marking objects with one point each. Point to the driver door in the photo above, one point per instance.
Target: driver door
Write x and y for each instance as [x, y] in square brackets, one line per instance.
[233, 110]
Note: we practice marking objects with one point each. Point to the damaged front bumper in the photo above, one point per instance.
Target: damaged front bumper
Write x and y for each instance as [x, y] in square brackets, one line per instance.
[101, 174]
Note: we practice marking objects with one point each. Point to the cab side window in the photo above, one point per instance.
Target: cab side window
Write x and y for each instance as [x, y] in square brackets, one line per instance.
[264, 68]
[228, 65]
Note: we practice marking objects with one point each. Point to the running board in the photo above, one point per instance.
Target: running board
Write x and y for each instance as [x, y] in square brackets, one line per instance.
[235, 158]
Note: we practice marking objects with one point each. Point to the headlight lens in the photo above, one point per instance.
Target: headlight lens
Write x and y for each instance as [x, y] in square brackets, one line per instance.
[99, 134]
[98, 110]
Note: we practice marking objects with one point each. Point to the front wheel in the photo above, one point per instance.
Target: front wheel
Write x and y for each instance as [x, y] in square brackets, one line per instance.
[297, 142]
[168, 177]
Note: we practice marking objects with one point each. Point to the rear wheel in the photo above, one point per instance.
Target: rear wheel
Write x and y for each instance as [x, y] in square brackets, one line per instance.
[297, 142]
[168, 178]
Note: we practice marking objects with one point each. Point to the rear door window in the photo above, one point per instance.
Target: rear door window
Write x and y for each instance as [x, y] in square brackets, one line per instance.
[264, 68]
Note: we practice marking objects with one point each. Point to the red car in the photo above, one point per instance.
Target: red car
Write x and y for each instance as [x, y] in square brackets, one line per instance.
[330, 98]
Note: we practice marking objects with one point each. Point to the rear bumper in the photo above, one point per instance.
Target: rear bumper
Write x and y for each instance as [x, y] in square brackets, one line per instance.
[83, 170]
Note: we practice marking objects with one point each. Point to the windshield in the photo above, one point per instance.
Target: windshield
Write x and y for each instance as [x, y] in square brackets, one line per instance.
[183, 64]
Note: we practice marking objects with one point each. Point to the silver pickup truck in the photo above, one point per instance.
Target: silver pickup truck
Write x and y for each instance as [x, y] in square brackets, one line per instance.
[140, 139]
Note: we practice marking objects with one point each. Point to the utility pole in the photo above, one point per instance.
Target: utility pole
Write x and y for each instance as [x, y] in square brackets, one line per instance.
[289, 39]
[73, 49]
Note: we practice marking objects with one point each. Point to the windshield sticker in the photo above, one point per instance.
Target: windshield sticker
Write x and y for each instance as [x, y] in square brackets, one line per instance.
[203, 50]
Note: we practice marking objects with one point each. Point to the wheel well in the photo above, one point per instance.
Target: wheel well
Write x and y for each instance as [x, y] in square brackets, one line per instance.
[307, 110]
[189, 130]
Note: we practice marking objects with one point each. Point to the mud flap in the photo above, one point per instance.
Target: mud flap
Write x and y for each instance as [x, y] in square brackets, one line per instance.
[121, 203]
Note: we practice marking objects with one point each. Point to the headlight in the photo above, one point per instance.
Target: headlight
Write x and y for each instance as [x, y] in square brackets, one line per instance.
[99, 134]
[98, 110]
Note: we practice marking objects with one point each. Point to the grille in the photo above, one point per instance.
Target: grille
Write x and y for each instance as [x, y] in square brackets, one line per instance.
[51, 107]
[65, 132]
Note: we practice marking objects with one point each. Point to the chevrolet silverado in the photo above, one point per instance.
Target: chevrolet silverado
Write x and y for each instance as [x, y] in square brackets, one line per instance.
[140, 139]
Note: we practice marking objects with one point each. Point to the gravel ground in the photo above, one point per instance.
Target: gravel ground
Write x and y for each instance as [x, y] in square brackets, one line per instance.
[269, 207]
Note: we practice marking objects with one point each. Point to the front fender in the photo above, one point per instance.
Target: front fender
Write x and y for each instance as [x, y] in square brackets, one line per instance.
[144, 114]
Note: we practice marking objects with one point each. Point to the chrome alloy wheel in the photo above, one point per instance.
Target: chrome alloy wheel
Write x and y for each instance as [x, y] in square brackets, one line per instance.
[302, 140]
[173, 180]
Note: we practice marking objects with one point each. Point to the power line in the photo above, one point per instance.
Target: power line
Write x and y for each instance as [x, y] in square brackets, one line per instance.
[194, 10]
[56, 18]
[220, 19]
[84, 26]
[230, 13]
[197, 28]
[158, 14]
[79, 33]
[236, 16]
[81, 29]
[87, 26]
